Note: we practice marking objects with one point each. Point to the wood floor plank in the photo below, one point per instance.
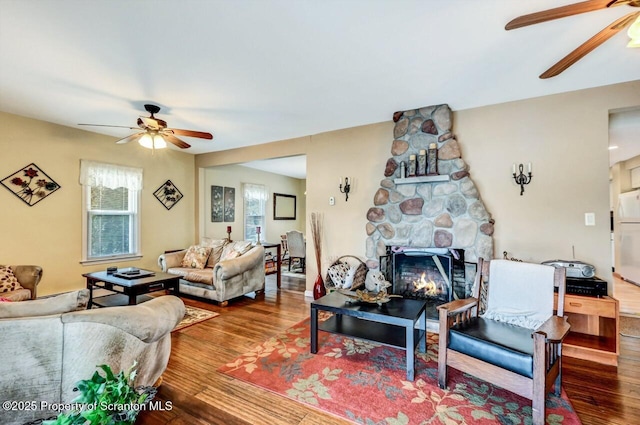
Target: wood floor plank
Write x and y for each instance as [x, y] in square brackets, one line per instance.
[200, 395]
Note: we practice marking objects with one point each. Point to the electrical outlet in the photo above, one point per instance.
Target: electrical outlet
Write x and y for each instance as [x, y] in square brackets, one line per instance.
[332, 200]
[590, 219]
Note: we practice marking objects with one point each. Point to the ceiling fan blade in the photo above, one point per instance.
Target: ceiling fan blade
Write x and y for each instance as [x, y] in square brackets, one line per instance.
[589, 45]
[561, 12]
[173, 139]
[132, 138]
[190, 133]
[152, 123]
[115, 126]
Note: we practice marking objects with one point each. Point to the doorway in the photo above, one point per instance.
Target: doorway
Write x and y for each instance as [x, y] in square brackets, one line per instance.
[624, 158]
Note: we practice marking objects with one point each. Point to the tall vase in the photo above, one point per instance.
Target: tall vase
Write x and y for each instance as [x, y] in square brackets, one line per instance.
[318, 288]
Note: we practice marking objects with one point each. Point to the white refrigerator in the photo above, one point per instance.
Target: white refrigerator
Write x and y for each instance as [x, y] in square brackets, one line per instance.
[629, 235]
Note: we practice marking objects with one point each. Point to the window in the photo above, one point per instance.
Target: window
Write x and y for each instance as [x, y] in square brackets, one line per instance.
[110, 211]
[255, 201]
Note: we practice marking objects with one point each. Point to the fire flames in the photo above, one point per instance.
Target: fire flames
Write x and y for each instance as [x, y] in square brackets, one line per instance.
[429, 287]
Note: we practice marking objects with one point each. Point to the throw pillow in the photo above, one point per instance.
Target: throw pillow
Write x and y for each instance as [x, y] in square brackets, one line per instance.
[338, 274]
[196, 257]
[8, 281]
[216, 245]
[348, 280]
[64, 303]
[235, 249]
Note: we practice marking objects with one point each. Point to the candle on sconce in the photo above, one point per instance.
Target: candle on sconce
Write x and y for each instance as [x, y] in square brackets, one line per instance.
[529, 168]
[513, 168]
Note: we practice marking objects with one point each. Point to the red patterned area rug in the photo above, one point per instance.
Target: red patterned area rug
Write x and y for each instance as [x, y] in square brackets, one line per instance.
[366, 383]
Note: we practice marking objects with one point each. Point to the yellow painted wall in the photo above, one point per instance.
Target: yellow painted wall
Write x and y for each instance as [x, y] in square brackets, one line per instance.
[234, 176]
[49, 233]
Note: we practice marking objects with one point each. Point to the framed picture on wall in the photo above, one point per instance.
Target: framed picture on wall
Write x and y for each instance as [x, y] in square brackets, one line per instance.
[217, 207]
[229, 204]
[284, 207]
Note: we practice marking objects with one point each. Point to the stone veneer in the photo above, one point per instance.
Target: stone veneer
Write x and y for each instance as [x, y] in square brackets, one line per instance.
[440, 214]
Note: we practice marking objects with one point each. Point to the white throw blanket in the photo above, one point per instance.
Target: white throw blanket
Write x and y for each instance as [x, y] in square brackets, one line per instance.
[520, 293]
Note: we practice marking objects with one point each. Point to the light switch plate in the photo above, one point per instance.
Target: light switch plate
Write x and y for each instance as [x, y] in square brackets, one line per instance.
[590, 219]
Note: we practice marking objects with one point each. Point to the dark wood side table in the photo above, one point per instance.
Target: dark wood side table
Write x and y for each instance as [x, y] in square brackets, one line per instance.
[128, 291]
[392, 323]
[268, 245]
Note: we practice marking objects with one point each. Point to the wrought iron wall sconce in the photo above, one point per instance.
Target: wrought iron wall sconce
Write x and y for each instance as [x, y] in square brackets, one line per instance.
[346, 188]
[520, 177]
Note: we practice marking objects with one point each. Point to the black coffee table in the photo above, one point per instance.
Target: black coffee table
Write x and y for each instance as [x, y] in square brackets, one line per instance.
[392, 323]
[128, 291]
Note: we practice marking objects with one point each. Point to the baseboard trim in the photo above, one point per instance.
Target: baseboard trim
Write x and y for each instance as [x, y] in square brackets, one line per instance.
[308, 294]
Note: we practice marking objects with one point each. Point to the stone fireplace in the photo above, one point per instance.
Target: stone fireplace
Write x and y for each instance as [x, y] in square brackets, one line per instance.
[442, 212]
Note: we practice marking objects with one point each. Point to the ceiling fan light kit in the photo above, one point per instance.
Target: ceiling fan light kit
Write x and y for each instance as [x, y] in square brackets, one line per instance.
[152, 142]
[634, 33]
[155, 134]
[593, 42]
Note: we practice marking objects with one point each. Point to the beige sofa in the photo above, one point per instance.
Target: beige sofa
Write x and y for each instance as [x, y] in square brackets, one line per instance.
[29, 277]
[50, 344]
[220, 281]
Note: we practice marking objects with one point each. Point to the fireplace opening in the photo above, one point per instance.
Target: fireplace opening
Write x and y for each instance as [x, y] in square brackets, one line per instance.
[434, 275]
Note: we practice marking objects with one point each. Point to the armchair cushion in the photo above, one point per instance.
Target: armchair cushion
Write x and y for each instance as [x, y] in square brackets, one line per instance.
[196, 257]
[501, 344]
[17, 295]
[8, 280]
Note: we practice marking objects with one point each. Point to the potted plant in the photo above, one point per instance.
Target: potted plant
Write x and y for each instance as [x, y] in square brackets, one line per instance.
[107, 400]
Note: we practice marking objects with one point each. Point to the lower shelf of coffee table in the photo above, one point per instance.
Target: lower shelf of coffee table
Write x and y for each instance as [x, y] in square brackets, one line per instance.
[382, 333]
[116, 300]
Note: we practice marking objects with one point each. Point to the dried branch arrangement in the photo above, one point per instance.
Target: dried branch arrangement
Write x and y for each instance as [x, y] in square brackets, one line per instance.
[316, 234]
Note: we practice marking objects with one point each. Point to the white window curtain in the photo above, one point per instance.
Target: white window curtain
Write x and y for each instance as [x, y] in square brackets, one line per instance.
[112, 176]
[256, 191]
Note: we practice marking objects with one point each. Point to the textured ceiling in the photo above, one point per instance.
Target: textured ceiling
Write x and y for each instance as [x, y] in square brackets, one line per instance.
[255, 71]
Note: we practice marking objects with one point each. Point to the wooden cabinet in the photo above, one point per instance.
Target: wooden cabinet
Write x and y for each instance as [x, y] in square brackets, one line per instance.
[594, 329]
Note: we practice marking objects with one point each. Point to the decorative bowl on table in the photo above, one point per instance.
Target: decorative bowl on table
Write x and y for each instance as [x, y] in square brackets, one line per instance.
[365, 296]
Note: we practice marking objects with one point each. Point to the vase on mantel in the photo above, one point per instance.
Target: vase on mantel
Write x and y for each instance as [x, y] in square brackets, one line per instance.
[318, 288]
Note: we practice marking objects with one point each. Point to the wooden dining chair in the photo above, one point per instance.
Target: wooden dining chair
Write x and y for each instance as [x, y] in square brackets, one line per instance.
[516, 343]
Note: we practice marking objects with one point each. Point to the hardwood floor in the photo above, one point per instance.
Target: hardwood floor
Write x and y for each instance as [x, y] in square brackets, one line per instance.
[627, 294]
[199, 395]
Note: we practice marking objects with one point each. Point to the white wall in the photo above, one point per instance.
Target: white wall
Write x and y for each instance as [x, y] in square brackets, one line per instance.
[234, 176]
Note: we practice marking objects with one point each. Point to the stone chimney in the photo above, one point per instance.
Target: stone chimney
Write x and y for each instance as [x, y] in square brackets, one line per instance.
[438, 211]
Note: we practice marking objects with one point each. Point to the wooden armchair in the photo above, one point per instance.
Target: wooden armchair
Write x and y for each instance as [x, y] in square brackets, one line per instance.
[522, 360]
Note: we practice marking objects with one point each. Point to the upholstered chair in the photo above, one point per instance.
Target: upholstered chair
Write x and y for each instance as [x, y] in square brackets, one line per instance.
[297, 248]
[28, 277]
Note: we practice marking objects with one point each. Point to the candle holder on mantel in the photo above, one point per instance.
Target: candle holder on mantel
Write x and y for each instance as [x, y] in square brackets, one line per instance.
[229, 234]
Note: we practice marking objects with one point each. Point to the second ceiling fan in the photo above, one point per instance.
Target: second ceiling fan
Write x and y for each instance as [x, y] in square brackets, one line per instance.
[575, 9]
[155, 133]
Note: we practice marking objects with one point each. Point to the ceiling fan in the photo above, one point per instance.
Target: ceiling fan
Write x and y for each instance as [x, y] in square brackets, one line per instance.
[155, 133]
[593, 42]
